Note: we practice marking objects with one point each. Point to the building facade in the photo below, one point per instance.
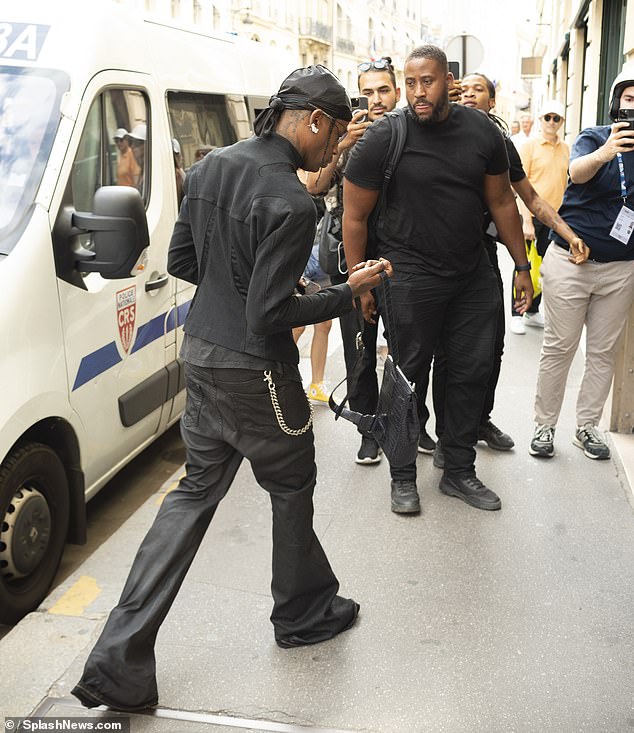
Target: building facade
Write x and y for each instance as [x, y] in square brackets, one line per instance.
[337, 33]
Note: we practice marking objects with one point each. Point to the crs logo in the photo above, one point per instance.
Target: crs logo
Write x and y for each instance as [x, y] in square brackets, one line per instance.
[126, 316]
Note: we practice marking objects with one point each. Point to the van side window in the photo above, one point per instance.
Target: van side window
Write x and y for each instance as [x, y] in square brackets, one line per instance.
[201, 122]
[114, 147]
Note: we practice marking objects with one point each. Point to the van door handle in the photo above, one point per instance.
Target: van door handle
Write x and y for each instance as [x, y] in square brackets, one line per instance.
[160, 282]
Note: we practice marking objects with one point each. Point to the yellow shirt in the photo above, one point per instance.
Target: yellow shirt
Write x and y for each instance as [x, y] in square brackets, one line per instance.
[546, 166]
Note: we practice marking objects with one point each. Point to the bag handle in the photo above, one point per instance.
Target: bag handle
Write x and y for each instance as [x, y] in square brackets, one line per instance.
[363, 422]
[388, 316]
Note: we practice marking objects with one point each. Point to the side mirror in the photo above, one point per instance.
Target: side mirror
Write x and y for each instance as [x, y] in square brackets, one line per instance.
[120, 232]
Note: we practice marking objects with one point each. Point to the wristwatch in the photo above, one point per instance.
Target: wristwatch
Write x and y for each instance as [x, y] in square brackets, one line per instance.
[523, 268]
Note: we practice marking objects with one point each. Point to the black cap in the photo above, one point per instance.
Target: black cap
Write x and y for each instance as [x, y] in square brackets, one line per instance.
[313, 87]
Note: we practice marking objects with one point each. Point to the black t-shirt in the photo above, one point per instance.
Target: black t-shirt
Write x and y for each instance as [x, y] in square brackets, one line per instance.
[434, 213]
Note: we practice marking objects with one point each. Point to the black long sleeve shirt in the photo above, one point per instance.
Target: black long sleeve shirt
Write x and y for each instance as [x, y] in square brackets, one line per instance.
[244, 235]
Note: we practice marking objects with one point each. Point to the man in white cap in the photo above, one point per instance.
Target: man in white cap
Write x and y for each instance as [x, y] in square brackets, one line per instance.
[127, 168]
[545, 161]
[598, 293]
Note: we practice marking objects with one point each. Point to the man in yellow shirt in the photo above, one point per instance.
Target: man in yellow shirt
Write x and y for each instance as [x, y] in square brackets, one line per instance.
[545, 160]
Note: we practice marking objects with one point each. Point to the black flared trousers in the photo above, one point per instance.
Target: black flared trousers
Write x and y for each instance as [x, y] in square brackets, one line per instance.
[229, 416]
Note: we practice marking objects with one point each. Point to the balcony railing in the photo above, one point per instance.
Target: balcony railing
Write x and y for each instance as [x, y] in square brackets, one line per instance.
[310, 27]
[345, 45]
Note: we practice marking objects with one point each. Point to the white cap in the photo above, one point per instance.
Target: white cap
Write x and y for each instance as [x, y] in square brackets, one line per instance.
[553, 107]
[139, 132]
[176, 146]
[120, 133]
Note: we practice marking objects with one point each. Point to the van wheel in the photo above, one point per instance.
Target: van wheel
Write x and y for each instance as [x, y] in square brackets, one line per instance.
[34, 509]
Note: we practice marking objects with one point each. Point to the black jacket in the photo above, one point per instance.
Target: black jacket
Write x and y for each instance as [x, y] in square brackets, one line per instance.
[249, 220]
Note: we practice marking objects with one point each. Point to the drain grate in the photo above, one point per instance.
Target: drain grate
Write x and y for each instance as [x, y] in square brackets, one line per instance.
[210, 719]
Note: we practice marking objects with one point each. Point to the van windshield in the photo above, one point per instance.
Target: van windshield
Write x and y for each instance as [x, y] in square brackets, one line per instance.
[29, 116]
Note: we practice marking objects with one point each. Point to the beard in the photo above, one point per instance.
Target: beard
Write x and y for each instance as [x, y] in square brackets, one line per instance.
[438, 113]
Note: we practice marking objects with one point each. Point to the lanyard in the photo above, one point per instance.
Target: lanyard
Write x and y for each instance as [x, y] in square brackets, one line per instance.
[622, 178]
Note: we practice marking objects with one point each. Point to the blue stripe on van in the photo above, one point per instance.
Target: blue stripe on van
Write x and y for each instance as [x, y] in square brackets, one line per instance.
[149, 332]
[94, 364]
[99, 361]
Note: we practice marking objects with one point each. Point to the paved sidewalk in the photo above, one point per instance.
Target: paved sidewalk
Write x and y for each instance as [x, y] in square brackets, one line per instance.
[494, 622]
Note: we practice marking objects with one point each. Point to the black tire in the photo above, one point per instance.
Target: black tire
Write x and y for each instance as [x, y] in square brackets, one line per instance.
[34, 507]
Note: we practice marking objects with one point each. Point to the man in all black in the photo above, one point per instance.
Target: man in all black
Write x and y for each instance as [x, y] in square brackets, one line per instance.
[454, 166]
[244, 234]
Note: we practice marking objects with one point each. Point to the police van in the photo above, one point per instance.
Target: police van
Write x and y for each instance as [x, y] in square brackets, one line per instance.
[99, 108]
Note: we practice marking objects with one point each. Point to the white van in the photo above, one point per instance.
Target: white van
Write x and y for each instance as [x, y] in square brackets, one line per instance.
[90, 320]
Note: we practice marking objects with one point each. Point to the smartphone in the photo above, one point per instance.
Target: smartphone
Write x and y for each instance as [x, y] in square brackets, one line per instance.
[454, 68]
[359, 103]
[626, 115]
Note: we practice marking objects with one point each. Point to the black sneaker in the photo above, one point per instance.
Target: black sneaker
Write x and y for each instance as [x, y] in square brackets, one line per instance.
[471, 490]
[405, 499]
[369, 452]
[494, 437]
[438, 456]
[425, 443]
[590, 440]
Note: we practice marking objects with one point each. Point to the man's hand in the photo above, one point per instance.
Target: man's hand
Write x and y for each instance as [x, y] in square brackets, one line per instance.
[368, 307]
[356, 127]
[523, 292]
[579, 251]
[621, 140]
[455, 91]
[364, 277]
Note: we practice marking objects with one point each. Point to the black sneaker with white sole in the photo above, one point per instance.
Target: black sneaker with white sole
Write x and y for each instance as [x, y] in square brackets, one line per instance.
[369, 452]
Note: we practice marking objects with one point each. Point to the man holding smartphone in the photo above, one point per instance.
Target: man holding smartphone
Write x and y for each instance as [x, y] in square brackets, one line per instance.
[599, 205]
[379, 94]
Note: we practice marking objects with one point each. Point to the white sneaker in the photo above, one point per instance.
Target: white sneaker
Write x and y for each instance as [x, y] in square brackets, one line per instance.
[534, 319]
[517, 325]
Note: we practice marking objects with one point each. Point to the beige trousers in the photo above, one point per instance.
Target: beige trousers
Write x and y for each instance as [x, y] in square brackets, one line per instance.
[597, 295]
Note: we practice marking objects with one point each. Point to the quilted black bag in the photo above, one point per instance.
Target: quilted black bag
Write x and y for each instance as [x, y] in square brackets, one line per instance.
[395, 425]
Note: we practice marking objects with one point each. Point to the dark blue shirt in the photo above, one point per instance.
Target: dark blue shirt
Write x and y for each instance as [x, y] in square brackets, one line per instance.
[591, 208]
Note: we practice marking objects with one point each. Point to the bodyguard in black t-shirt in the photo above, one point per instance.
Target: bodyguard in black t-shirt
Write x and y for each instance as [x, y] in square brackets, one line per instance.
[453, 167]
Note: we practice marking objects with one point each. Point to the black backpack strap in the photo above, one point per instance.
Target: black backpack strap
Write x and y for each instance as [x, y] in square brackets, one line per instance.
[398, 134]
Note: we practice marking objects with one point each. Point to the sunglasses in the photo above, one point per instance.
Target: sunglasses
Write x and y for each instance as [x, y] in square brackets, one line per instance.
[554, 118]
[336, 128]
[379, 65]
